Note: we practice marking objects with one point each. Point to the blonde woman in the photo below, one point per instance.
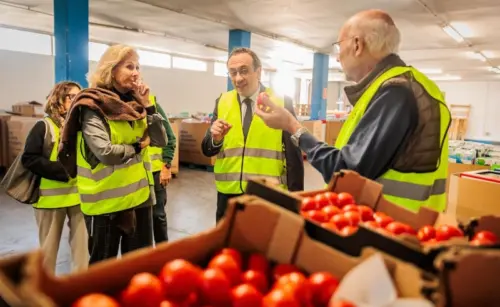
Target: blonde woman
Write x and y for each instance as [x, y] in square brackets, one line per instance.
[58, 193]
[108, 127]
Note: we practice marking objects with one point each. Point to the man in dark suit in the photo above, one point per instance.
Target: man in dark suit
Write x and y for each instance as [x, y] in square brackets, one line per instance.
[244, 145]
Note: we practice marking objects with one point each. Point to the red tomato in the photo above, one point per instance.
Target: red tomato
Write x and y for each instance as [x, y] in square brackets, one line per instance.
[332, 197]
[330, 211]
[371, 224]
[256, 279]
[382, 219]
[396, 228]
[280, 298]
[168, 304]
[215, 288]
[144, 289]
[228, 265]
[323, 285]
[344, 199]
[233, 253]
[180, 278]
[409, 230]
[329, 226]
[351, 207]
[342, 304]
[485, 234]
[426, 233]
[353, 217]
[246, 296]
[308, 203]
[283, 269]
[482, 242]
[298, 284]
[340, 221]
[366, 213]
[348, 230]
[258, 262]
[321, 201]
[95, 300]
[316, 215]
[446, 232]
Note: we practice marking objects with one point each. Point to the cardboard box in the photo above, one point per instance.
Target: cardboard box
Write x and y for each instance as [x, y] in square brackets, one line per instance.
[315, 127]
[460, 168]
[280, 236]
[18, 129]
[191, 136]
[470, 198]
[32, 109]
[332, 131]
[175, 161]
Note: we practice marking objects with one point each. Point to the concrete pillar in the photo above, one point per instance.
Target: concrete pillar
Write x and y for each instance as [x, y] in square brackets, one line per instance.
[319, 86]
[71, 32]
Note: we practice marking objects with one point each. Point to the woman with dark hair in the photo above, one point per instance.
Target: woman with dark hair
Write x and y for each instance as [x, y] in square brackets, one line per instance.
[59, 196]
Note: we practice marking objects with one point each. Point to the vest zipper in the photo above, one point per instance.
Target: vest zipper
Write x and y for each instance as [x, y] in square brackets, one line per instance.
[242, 163]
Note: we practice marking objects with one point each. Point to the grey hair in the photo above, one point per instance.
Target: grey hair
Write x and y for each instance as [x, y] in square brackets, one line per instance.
[255, 58]
[381, 38]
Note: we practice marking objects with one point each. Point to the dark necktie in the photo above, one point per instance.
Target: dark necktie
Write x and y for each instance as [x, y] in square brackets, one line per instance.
[247, 120]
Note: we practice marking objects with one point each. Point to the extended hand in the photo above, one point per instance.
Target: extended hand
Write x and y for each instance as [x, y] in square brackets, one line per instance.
[274, 116]
[219, 129]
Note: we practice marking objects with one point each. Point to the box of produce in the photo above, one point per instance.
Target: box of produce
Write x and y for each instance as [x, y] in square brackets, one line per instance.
[258, 255]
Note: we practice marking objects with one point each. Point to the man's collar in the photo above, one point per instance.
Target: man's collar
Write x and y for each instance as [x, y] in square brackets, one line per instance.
[253, 97]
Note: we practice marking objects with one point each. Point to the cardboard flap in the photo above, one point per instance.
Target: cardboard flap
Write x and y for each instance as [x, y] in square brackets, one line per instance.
[424, 216]
[487, 222]
[366, 192]
[471, 277]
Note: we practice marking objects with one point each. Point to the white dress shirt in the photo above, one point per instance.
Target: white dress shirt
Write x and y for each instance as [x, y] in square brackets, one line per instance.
[253, 98]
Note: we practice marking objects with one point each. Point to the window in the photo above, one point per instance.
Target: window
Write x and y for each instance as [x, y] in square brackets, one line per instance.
[155, 59]
[96, 50]
[220, 69]
[189, 64]
[24, 41]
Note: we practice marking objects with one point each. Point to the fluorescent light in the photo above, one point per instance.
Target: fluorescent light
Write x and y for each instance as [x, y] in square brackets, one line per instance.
[494, 69]
[453, 34]
[462, 28]
[477, 56]
[445, 78]
[431, 71]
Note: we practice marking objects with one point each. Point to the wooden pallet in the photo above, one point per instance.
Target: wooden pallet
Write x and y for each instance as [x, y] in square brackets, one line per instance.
[208, 168]
[459, 121]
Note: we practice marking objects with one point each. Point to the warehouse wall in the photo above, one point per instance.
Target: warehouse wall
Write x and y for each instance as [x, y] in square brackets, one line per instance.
[26, 77]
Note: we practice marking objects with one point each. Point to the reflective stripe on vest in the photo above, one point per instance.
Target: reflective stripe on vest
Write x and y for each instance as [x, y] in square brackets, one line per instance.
[260, 155]
[112, 188]
[155, 153]
[56, 194]
[409, 190]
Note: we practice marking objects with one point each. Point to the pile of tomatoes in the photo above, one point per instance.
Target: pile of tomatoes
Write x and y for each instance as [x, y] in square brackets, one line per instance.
[340, 213]
[229, 280]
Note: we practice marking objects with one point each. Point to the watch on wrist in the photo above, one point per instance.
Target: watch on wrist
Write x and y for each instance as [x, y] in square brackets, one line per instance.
[168, 165]
[296, 136]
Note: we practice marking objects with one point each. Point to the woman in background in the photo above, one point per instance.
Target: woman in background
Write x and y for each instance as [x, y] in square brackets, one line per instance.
[58, 192]
[108, 127]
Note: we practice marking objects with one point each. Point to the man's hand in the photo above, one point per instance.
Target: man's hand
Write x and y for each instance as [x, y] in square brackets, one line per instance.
[165, 176]
[219, 130]
[274, 116]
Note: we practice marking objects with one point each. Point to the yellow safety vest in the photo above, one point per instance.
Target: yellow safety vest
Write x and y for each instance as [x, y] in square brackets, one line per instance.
[56, 194]
[112, 188]
[155, 153]
[409, 190]
[260, 155]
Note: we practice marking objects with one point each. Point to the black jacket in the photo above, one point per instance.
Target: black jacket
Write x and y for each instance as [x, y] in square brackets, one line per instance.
[293, 155]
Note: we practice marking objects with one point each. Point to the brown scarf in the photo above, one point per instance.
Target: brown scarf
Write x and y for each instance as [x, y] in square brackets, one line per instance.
[104, 102]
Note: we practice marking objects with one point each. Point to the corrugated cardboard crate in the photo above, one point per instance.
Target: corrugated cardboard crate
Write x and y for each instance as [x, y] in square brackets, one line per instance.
[191, 136]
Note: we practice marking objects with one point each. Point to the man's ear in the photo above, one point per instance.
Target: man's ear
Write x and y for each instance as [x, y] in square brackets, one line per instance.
[358, 46]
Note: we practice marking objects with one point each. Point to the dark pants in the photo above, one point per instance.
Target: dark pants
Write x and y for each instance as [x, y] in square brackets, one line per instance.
[222, 200]
[105, 236]
[159, 215]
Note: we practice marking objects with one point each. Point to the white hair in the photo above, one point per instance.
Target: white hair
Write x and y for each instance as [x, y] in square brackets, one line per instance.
[381, 37]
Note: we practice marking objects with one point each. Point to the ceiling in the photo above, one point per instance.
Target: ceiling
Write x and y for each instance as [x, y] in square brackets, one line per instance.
[286, 31]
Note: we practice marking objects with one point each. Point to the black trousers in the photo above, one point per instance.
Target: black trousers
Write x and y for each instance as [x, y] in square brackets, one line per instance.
[159, 214]
[222, 200]
[105, 237]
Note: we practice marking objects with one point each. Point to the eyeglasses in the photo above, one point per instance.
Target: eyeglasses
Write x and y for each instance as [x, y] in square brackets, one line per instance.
[71, 96]
[336, 45]
[243, 72]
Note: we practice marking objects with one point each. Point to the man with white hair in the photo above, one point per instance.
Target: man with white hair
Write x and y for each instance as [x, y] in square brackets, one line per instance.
[397, 131]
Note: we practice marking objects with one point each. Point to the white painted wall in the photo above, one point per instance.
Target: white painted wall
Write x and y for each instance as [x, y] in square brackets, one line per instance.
[26, 77]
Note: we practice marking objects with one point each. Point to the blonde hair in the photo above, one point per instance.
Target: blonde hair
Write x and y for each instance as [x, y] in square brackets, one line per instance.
[114, 55]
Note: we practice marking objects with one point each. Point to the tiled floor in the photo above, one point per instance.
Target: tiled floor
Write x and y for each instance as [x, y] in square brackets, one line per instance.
[191, 209]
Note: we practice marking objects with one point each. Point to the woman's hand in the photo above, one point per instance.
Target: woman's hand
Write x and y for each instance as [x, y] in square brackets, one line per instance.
[142, 92]
[165, 176]
[145, 142]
